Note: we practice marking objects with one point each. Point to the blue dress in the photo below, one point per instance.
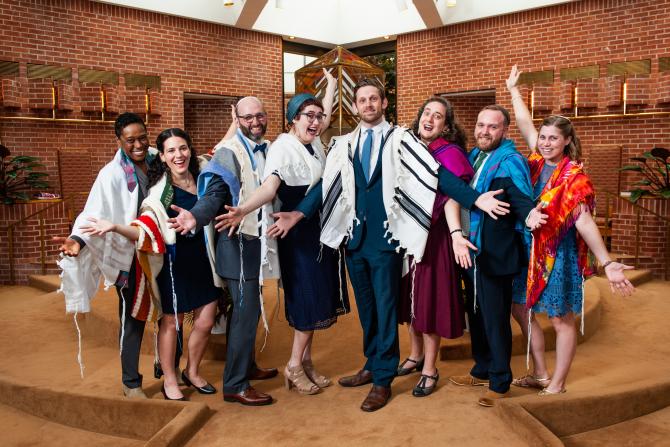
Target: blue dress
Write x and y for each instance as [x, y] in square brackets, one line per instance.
[563, 293]
[191, 270]
[313, 276]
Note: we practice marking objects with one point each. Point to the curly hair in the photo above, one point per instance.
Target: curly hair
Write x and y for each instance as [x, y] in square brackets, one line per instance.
[453, 132]
[158, 167]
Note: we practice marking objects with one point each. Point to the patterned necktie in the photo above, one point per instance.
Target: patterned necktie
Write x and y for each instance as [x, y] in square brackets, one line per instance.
[261, 147]
[479, 160]
[365, 155]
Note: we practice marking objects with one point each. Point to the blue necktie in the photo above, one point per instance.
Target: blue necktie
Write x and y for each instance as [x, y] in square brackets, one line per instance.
[261, 147]
[365, 155]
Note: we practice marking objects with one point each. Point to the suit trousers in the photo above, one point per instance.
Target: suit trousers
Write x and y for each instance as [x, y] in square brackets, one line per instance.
[375, 277]
[241, 335]
[490, 329]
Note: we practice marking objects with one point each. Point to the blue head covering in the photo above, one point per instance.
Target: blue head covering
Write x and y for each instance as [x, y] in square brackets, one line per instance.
[295, 103]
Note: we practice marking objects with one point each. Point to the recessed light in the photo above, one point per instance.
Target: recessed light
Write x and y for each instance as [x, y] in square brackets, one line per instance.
[228, 3]
[387, 37]
[291, 37]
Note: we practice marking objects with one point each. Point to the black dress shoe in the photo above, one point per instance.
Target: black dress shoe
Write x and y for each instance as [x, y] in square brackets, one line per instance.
[402, 371]
[169, 398]
[207, 389]
[262, 373]
[421, 390]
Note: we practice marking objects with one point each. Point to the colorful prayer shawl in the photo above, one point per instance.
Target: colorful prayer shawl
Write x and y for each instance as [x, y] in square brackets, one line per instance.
[505, 161]
[566, 190]
[155, 239]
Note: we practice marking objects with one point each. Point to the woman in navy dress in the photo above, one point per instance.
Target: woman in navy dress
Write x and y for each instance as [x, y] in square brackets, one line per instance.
[312, 276]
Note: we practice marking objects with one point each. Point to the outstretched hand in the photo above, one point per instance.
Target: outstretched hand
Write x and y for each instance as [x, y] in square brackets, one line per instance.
[513, 79]
[462, 247]
[232, 219]
[535, 218]
[284, 221]
[618, 281]
[68, 246]
[184, 222]
[97, 227]
[492, 206]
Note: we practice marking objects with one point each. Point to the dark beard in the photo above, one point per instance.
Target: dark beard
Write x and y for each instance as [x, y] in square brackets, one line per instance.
[247, 133]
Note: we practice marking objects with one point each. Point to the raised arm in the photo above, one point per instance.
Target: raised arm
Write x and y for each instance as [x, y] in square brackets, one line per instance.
[328, 99]
[521, 114]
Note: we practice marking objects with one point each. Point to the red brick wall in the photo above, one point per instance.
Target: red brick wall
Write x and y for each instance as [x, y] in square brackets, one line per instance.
[207, 121]
[188, 55]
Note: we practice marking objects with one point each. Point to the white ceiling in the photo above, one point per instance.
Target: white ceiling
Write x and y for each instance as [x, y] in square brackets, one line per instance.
[328, 23]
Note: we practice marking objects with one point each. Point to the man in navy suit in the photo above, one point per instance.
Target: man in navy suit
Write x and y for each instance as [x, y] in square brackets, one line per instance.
[373, 263]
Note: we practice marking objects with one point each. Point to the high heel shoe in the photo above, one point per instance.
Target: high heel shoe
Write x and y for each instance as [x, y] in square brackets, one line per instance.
[319, 379]
[206, 389]
[169, 398]
[402, 371]
[158, 373]
[295, 377]
[421, 390]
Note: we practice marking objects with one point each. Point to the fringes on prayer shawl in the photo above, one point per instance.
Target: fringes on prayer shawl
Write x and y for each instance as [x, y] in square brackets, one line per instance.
[174, 295]
[241, 285]
[123, 320]
[339, 276]
[474, 295]
[79, 357]
[157, 359]
[319, 258]
[581, 324]
[263, 317]
[413, 269]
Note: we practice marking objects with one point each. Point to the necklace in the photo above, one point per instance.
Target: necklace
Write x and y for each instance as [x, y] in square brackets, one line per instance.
[183, 183]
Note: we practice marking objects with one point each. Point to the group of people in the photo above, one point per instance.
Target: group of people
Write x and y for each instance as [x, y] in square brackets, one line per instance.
[408, 210]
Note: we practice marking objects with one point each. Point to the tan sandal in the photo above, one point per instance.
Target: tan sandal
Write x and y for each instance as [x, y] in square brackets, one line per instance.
[295, 378]
[319, 379]
[546, 392]
[531, 381]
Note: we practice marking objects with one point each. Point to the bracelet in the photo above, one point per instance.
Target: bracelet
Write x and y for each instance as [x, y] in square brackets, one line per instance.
[457, 230]
[607, 263]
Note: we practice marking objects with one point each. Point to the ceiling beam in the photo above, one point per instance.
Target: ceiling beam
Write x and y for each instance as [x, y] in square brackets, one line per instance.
[428, 12]
[250, 12]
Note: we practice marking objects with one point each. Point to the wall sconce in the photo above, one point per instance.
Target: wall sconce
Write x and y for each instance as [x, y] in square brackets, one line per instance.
[228, 3]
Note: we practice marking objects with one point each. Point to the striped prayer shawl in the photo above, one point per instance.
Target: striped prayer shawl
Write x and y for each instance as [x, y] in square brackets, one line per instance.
[409, 184]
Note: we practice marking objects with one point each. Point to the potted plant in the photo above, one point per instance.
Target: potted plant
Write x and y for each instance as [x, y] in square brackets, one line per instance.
[18, 176]
[654, 166]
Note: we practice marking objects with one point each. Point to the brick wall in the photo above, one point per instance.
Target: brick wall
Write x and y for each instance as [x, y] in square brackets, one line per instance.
[188, 55]
[478, 55]
[207, 121]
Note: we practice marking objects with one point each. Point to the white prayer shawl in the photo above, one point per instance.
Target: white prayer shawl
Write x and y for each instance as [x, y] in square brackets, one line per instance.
[249, 183]
[293, 162]
[269, 255]
[102, 257]
[409, 185]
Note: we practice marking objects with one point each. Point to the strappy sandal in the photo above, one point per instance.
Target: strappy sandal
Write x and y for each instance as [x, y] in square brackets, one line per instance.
[295, 378]
[546, 392]
[319, 379]
[402, 371]
[421, 389]
[531, 381]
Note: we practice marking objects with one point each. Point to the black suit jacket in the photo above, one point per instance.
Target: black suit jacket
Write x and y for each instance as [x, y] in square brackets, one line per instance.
[502, 251]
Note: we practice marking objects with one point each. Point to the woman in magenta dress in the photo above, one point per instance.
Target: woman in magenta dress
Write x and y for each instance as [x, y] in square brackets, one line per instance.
[435, 308]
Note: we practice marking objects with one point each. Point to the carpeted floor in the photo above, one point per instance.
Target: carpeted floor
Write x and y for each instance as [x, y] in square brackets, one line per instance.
[39, 344]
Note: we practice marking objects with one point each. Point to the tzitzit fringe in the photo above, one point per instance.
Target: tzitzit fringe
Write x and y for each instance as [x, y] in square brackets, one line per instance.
[241, 287]
[530, 334]
[174, 299]
[265, 321]
[339, 274]
[581, 325]
[79, 360]
[411, 285]
[123, 319]
[157, 359]
[474, 297]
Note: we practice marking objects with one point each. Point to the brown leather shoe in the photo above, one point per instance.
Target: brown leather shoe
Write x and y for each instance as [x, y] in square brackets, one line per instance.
[362, 377]
[262, 373]
[490, 397]
[377, 398]
[249, 397]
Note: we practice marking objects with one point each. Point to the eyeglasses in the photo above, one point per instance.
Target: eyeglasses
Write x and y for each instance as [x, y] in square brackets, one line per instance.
[249, 118]
[311, 116]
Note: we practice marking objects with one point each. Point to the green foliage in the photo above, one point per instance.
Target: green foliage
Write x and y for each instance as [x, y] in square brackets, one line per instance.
[18, 176]
[654, 167]
[387, 62]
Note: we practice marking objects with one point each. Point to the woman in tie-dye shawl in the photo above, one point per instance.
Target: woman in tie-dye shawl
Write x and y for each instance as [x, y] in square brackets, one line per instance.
[559, 254]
